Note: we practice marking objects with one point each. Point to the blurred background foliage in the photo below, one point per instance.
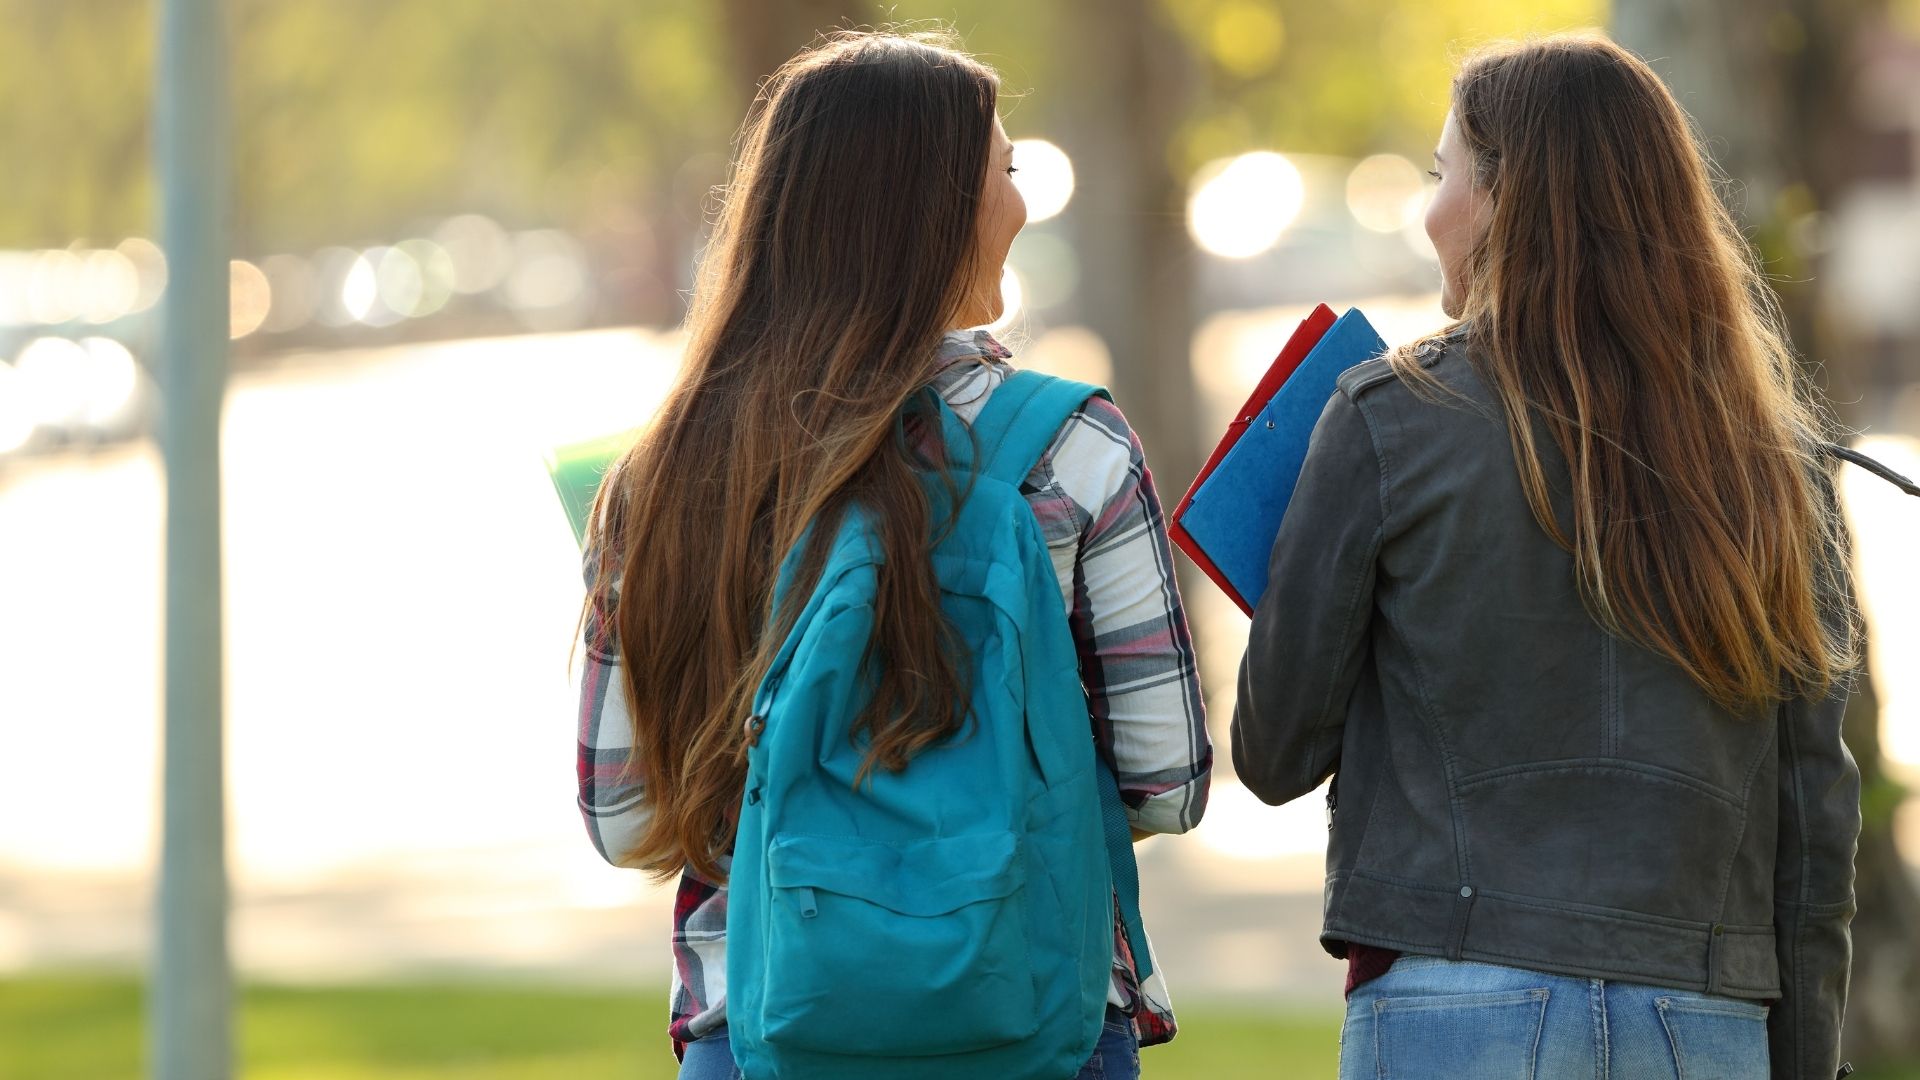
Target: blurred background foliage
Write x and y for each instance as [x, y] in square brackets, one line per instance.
[354, 117]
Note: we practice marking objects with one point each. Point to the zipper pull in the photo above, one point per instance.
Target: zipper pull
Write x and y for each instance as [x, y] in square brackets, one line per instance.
[805, 898]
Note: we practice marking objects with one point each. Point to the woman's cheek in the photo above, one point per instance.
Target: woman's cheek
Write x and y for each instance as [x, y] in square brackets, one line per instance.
[1438, 226]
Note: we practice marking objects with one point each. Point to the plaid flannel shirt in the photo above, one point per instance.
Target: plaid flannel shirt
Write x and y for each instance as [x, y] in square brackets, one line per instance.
[1101, 517]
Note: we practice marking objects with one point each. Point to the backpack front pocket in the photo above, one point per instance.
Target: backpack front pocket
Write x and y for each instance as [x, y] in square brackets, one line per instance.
[906, 949]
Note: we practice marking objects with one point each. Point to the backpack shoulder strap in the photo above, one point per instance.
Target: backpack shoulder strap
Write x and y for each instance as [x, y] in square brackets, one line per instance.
[1021, 419]
[1117, 831]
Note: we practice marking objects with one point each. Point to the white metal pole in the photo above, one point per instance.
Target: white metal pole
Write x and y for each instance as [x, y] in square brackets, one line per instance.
[191, 1005]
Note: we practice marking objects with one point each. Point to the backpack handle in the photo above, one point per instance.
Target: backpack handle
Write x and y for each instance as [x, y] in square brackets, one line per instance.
[1873, 466]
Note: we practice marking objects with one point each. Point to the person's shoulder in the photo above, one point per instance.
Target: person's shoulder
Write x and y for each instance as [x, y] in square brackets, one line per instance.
[1440, 354]
[1100, 410]
[1097, 411]
[1093, 457]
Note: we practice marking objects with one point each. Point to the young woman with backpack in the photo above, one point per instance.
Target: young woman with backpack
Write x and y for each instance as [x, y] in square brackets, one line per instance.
[866, 600]
[1562, 603]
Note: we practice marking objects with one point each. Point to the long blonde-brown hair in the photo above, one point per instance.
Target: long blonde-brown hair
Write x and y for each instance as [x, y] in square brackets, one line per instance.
[1613, 303]
[844, 248]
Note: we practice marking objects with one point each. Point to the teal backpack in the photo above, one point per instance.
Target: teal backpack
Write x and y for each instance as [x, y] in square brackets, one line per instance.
[954, 919]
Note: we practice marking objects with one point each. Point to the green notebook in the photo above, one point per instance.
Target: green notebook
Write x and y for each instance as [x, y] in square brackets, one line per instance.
[576, 470]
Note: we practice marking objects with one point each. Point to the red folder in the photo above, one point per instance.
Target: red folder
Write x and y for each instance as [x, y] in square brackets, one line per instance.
[1311, 330]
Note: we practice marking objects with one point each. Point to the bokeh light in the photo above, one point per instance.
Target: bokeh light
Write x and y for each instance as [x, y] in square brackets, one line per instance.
[47, 288]
[250, 297]
[16, 417]
[482, 252]
[111, 377]
[1044, 177]
[150, 265]
[1012, 298]
[1049, 269]
[1246, 37]
[54, 289]
[16, 276]
[547, 287]
[53, 381]
[1414, 232]
[1383, 192]
[398, 282]
[1241, 206]
[112, 286]
[360, 290]
[332, 267]
[1071, 352]
[292, 291]
[437, 275]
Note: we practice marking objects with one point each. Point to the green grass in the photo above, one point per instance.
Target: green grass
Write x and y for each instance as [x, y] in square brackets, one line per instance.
[60, 1028]
[91, 1028]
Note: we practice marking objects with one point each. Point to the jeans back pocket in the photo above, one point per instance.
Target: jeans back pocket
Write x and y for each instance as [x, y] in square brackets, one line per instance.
[1491, 1036]
[1715, 1038]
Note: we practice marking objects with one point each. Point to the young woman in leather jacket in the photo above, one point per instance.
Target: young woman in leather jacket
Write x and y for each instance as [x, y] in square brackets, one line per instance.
[1561, 601]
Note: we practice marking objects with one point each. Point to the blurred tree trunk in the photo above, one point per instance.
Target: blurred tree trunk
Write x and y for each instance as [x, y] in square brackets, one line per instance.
[763, 34]
[1130, 74]
[1770, 84]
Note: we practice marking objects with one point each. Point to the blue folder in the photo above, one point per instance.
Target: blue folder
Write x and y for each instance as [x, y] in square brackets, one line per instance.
[1235, 513]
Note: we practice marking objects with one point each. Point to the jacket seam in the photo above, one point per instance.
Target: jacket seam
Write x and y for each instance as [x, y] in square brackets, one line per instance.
[1405, 883]
[1381, 941]
[1619, 707]
[1373, 808]
[1346, 624]
[1829, 907]
[1380, 456]
[1463, 863]
[1740, 837]
[1606, 694]
[1421, 948]
[1792, 766]
[1622, 915]
[1629, 971]
[1545, 904]
[1677, 779]
[1798, 1018]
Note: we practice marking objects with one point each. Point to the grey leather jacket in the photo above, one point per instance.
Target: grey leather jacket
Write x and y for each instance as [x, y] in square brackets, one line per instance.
[1515, 785]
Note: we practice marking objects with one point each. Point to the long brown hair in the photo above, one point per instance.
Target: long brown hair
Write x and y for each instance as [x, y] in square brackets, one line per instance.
[844, 248]
[1613, 302]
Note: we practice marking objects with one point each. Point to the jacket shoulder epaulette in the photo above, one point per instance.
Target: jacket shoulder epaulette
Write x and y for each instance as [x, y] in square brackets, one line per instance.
[1362, 377]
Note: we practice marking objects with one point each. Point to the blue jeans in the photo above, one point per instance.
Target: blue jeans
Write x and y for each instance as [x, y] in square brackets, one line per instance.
[1429, 1017]
[709, 1058]
[1115, 1057]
